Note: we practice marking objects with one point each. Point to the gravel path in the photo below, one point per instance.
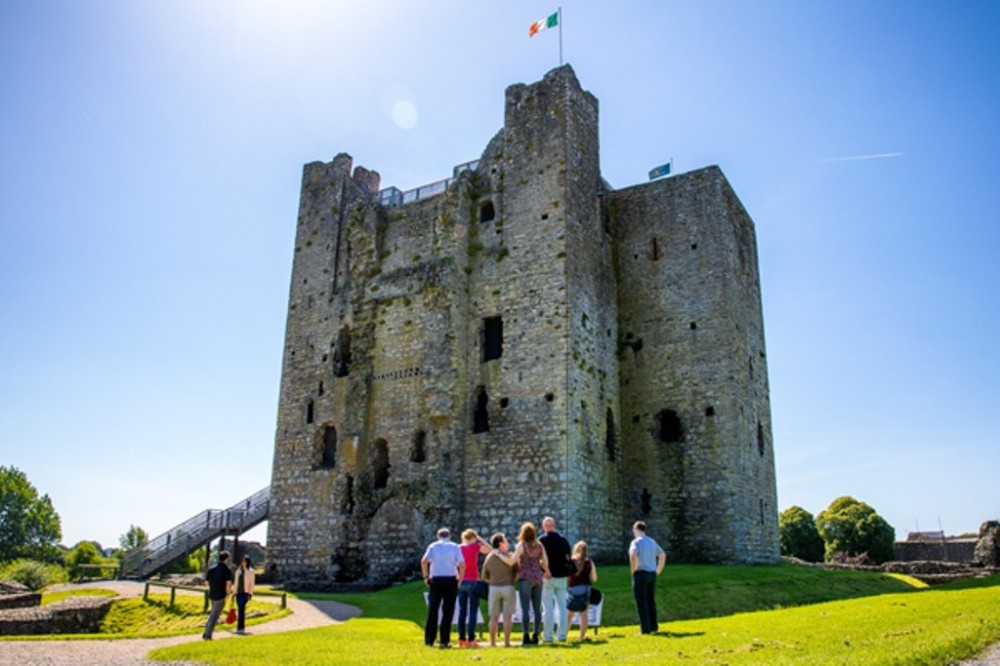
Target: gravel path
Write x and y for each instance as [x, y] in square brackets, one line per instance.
[126, 652]
[991, 657]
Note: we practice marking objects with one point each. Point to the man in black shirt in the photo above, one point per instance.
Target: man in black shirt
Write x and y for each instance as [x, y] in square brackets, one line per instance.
[554, 586]
[220, 585]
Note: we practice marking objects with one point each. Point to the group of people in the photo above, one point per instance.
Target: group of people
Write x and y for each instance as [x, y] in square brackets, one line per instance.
[223, 584]
[542, 570]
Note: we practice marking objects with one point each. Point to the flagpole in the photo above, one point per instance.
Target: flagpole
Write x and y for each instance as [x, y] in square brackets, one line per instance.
[560, 37]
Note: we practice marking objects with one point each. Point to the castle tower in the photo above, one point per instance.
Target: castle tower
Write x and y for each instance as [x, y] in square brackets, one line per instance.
[465, 354]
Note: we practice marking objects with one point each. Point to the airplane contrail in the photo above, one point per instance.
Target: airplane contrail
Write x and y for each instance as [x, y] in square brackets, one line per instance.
[853, 158]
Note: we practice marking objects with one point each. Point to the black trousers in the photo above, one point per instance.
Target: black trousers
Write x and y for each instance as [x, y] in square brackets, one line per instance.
[441, 597]
[644, 589]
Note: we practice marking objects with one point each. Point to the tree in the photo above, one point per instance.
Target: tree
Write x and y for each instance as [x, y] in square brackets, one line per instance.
[29, 525]
[84, 552]
[853, 527]
[136, 537]
[799, 536]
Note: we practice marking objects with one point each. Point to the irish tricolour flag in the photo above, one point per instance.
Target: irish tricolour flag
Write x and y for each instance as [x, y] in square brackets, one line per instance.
[550, 22]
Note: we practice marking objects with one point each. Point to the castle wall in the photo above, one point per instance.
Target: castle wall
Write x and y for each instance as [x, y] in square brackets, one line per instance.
[401, 411]
[698, 462]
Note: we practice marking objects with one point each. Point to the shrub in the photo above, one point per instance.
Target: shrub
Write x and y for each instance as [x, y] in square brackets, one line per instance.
[33, 574]
[799, 536]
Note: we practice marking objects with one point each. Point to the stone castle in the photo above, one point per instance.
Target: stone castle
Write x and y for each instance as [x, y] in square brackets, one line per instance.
[521, 340]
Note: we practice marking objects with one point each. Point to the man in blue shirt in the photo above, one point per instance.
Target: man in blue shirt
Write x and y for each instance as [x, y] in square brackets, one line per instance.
[646, 561]
[220, 585]
[442, 566]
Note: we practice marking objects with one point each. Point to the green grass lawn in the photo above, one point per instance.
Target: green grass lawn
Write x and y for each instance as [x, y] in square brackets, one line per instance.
[848, 617]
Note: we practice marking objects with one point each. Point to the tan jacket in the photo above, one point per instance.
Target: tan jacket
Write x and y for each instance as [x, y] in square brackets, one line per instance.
[248, 580]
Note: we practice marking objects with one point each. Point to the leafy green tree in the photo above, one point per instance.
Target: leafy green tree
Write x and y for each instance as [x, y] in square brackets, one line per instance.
[799, 536]
[33, 574]
[853, 527]
[29, 525]
[84, 552]
[136, 537]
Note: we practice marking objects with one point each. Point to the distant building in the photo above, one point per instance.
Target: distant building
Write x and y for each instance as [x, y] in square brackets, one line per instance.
[516, 341]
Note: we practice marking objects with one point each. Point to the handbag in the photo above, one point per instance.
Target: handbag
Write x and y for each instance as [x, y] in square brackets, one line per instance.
[577, 598]
[481, 589]
[231, 615]
[595, 596]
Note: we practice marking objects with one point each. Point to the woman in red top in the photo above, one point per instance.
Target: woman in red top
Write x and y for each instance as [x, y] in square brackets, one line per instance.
[582, 580]
[468, 604]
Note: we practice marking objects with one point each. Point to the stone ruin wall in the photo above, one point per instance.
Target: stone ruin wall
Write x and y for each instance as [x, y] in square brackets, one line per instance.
[384, 371]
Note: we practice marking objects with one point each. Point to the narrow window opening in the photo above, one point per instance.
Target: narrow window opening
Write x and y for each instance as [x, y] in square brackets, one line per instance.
[545, 216]
[761, 511]
[487, 212]
[342, 353]
[380, 464]
[419, 452]
[635, 418]
[549, 397]
[609, 434]
[654, 250]
[347, 506]
[760, 439]
[694, 246]
[310, 412]
[329, 447]
[481, 419]
[710, 411]
[492, 338]
[647, 499]
[694, 325]
[319, 391]
[670, 426]
[504, 402]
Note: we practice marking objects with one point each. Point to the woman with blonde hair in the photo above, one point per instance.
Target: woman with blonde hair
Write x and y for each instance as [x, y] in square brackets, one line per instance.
[533, 567]
[578, 592]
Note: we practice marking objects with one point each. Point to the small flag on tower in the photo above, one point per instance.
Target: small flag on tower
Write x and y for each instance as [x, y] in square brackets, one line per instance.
[550, 22]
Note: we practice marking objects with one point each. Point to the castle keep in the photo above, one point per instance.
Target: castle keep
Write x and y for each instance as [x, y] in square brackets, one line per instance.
[521, 340]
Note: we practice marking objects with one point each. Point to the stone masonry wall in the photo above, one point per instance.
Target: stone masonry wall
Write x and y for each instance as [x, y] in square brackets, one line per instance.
[399, 412]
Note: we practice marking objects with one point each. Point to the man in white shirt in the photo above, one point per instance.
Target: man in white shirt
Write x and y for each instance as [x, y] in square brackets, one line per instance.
[443, 567]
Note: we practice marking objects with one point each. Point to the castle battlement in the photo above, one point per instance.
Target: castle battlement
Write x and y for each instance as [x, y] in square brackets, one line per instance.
[520, 340]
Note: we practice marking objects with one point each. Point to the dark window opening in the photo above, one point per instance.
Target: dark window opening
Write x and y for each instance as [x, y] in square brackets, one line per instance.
[761, 511]
[342, 353]
[347, 505]
[647, 499]
[760, 439]
[419, 452]
[694, 246]
[654, 250]
[609, 434]
[635, 419]
[670, 426]
[329, 447]
[504, 402]
[545, 216]
[319, 391]
[481, 419]
[310, 412]
[549, 397]
[750, 366]
[492, 338]
[380, 464]
[487, 212]
[710, 411]
[694, 325]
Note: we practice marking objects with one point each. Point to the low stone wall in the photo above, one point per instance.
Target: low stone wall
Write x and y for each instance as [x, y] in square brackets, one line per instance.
[955, 550]
[22, 600]
[75, 615]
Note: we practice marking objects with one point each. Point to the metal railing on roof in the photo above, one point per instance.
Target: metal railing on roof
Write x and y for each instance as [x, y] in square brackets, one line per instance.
[393, 196]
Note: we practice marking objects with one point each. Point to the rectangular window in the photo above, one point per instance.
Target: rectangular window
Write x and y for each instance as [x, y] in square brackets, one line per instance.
[492, 338]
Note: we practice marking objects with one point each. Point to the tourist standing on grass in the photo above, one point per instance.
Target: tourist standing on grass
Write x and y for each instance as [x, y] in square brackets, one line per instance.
[220, 585]
[498, 571]
[243, 588]
[646, 561]
[442, 566]
[533, 566]
[580, 584]
[555, 584]
[468, 603]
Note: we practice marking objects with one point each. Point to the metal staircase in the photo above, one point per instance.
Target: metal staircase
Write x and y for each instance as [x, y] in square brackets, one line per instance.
[195, 533]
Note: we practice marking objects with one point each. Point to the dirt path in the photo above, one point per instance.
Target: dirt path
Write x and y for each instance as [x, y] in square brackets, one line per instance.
[305, 615]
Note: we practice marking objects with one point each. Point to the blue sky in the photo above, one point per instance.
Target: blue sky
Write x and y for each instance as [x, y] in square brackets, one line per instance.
[150, 158]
